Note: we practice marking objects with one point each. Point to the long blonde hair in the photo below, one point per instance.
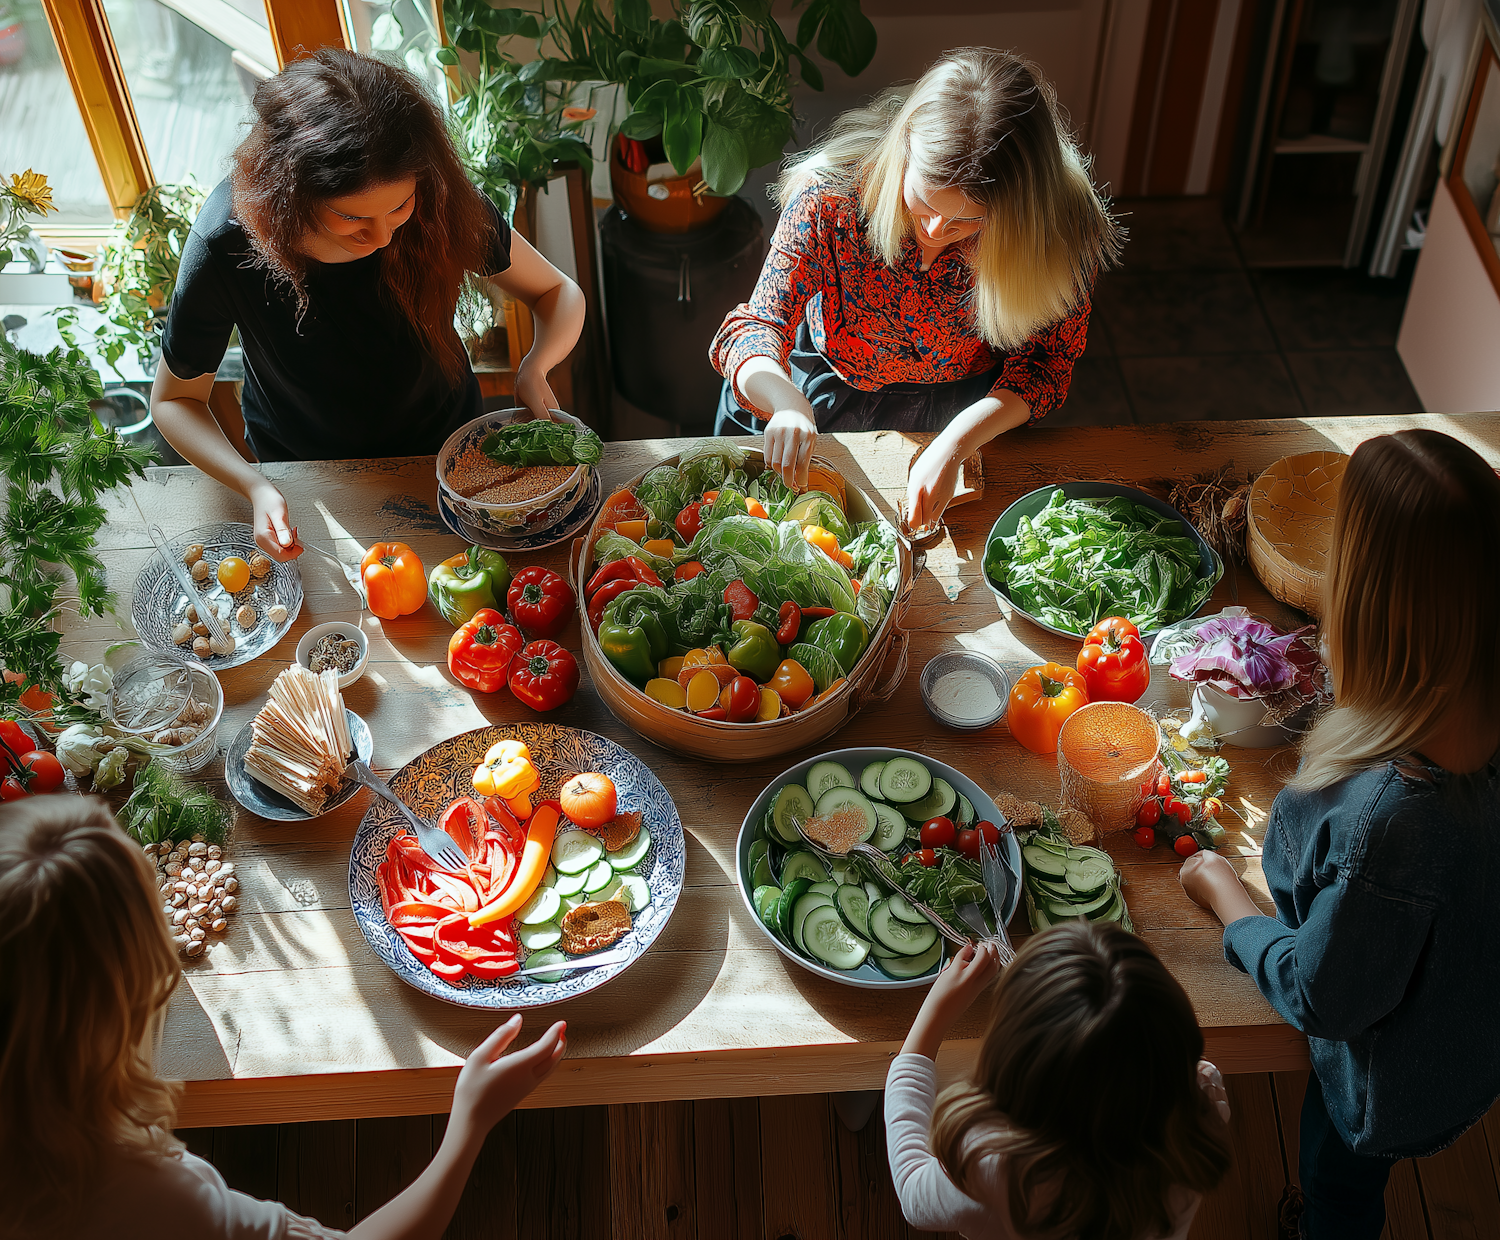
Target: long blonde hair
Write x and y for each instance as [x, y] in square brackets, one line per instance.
[86, 964]
[987, 123]
[1409, 602]
[1087, 1085]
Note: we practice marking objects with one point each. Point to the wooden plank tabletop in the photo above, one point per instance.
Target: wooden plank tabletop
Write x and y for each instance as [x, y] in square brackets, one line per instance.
[292, 1017]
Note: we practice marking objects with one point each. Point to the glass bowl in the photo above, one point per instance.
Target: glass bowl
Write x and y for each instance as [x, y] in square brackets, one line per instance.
[969, 663]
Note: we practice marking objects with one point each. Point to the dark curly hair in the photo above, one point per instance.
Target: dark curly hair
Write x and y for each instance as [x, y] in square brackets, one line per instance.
[338, 123]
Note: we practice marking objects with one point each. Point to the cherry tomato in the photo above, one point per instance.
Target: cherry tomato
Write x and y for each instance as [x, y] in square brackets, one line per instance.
[1180, 810]
[1163, 785]
[744, 699]
[967, 842]
[1194, 777]
[1212, 806]
[1148, 815]
[938, 833]
[1185, 845]
[46, 770]
[11, 790]
[988, 832]
[15, 738]
[1144, 836]
[923, 856]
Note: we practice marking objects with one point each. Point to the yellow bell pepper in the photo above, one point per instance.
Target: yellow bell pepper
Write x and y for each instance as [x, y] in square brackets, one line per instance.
[507, 772]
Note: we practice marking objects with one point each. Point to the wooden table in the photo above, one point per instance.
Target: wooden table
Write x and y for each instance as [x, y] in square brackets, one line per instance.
[292, 1017]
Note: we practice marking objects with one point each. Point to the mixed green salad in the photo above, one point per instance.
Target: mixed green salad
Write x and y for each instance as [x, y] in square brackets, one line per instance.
[543, 442]
[1080, 560]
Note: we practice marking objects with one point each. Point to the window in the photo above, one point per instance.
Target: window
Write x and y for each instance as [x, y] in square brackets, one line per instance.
[404, 33]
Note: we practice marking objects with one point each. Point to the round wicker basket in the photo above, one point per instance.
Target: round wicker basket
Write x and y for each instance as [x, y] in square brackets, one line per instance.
[1290, 526]
[1106, 756]
[874, 678]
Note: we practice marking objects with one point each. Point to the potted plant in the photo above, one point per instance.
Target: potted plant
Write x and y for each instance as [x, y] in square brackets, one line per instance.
[27, 194]
[709, 88]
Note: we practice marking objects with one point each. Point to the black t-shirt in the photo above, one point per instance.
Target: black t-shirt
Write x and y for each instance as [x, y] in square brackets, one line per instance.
[350, 379]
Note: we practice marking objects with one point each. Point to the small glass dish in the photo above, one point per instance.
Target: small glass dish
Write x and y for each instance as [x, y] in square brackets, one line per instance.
[154, 696]
[968, 664]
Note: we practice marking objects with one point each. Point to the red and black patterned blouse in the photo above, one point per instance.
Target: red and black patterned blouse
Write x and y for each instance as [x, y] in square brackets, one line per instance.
[879, 325]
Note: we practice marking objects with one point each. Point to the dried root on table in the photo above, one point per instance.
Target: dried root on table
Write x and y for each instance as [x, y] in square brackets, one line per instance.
[1216, 504]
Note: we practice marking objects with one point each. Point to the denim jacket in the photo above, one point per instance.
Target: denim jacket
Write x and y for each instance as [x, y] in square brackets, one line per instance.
[1385, 950]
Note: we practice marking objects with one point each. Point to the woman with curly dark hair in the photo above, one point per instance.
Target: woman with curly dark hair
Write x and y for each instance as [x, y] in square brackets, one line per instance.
[337, 247]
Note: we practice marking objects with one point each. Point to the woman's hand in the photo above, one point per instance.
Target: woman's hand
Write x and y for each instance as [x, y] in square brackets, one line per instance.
[1210, 881]
[274, 532]
[956, 988]
[492, 1083]
[930, 486]
[790, 436]
[533, 390]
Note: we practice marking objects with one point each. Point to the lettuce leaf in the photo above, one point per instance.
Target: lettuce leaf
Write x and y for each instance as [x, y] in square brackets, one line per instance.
[820, 665]
[705, 464]
[663, 493]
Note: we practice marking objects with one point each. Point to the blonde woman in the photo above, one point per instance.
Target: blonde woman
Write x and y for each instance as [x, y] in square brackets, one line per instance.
[1383, 854]
[86, 1145]
[1091, 1112]
[930, 271]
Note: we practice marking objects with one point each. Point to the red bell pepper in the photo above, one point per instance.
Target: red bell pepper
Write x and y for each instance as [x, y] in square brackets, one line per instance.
[1113, 662]
[479, 653]
[540, 601]
[789, 620]
[742, 600]
[629, 568]
[544, 675]
[464, 820]
[602, 597]
[686, 572]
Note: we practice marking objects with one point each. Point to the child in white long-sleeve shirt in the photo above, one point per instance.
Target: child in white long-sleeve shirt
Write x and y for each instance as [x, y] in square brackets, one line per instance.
[1090, 1111]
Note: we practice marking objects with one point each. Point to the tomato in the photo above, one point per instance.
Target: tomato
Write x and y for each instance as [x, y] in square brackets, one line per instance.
[589, 799]
[1194, 777]
[15, 738]
[46, 771]
[1184, 845]
[689, 521]
[1212, 806]
[11, 790]
[922, 856]
[968, 843]
[988, 832]
[1164, 785]
[744, 700]
[1144, 836]
[1174, 808]
[1149, 814]
[34, 698]
[938, 833]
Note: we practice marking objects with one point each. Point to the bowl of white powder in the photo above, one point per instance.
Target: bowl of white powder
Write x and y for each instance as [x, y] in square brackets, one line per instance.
[965, 690]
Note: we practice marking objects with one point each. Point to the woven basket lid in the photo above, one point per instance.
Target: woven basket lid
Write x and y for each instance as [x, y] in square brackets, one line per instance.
[1104, 753]
[1290, 516]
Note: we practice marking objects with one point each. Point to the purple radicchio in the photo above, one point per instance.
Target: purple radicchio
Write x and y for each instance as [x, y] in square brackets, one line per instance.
[1246, 657]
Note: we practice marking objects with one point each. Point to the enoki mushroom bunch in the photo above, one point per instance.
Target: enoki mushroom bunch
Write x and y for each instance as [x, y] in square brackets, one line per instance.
[302, 742]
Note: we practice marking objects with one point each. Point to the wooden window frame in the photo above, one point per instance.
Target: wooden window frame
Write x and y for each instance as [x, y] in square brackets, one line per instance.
[1468, 209]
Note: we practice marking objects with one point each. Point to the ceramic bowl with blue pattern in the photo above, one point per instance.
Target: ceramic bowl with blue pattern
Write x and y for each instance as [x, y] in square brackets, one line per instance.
[522, 517]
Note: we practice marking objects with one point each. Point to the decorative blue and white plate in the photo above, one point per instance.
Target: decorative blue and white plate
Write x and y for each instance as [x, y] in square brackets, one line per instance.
[433, 779]
[575, 523]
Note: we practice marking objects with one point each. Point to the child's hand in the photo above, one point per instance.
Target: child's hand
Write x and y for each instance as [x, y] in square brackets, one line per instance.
[491, 1083]
[955, 989]
[1212, 1084]
[1210, 881]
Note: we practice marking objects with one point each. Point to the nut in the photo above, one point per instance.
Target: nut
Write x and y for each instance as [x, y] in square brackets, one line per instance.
[218, 925]
[276, 613]
[222, 647]
[247, 617]
[215, 911]
[231, 885]
[182, 634]
[192, 614]
[181, 940]
[197, 910]
[197, 849]
[193, 554]
[215, 852]
[197, 934]
[174, 868]
[181, 885]
[201, 570]
[201, 629]
[230, 903]
[259, 566]
[227, 868]
[212, 866]
[201, 648]
[188, 873]
[179, 917]
[194, 948]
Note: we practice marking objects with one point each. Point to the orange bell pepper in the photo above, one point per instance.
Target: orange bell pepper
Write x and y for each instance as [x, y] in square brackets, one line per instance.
[824, 540]
[792, 683]
[395, 581]
[1041, 702]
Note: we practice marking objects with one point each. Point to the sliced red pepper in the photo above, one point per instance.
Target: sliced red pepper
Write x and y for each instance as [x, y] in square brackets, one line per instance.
[644, 573]
[818, 613]
[713, 712]
[455, 939]
[449, 971]
[464, 821]
[686, 572]
[788, 622]
[498, 966]
[742, 600]
[615, 570]
[417, 912]
[609, 591]
[501, 816]
[419, 939]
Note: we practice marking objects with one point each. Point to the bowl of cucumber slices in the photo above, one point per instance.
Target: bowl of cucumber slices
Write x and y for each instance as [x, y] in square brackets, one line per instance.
[839, 919]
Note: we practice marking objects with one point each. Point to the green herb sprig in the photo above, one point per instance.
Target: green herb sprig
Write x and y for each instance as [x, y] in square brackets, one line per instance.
[162, 808]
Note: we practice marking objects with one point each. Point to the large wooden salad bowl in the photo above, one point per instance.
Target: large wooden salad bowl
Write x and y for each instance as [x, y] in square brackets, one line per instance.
[874, 677]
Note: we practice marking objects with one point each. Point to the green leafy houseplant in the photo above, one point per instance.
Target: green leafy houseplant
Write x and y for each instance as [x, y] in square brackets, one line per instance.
[139, 274]
[714, 80]
[56, 460]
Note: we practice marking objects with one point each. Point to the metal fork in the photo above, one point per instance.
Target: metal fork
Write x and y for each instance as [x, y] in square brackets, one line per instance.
[435, 842]
[996, 874]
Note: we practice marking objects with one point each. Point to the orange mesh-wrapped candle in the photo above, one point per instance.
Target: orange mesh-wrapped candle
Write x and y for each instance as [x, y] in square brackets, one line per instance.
[1106, 755]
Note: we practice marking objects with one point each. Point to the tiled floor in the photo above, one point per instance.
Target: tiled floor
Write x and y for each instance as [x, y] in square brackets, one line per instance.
[1182, 330]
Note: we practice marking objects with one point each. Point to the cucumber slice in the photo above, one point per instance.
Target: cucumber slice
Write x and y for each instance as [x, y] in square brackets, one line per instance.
[534, 938]
[900, 936]
[761, 876]
[1060, 891]
[821, 776]
[803, 907]
[549, 877]
[883, 953]
[1087, 908]
[598, 877]
[791, 802]
[1113, 911]
[803, 865]
[824, 889]
[829, 940]
[764, 899]
[907, 967]
[759, 849]
[940, 800]
[835, 800]
[571, 884]
[903, 911]
[869, 780]
[546, 957]
[875, 893]
[569, 903]
[966, 814]
[903, 780]
[1061, 912]
[794, 890]
[1088, 875]
[633, 892]
[632, 854]
[1044, 862]
[574, 850]
[890, 833]
[854, 907]
[544, 906]
[843, 871]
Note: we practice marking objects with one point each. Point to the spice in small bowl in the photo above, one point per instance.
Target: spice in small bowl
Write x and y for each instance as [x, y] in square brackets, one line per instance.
[964, 690]
[339, 646]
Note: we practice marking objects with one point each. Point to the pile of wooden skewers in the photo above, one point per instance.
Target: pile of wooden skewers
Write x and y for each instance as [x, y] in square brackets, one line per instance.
[302, 742]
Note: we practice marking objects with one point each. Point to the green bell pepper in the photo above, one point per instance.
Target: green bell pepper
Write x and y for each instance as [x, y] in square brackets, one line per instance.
[632, 634]
[843, 636]
[469, 582]
[756, 652]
